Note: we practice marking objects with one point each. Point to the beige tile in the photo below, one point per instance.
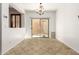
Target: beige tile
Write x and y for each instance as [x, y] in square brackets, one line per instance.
[41, 46]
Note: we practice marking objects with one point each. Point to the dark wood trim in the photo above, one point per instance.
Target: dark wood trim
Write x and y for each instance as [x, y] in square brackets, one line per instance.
[20, 21]
[11, 23]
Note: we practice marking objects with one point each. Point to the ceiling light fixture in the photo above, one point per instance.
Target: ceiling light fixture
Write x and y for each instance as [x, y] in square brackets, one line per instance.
[40, 10]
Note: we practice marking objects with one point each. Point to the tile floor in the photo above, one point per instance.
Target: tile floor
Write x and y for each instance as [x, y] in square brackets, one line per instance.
[41, 46]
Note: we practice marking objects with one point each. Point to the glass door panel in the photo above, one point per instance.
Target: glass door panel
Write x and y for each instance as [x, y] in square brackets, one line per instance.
[44, 27]
[36, 28]
[39, 27]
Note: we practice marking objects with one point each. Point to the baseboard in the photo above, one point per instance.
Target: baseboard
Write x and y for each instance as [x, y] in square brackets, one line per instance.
[11, 47]
[68, 45]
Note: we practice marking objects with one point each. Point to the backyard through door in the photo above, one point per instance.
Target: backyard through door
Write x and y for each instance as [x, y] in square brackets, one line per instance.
[40, 27]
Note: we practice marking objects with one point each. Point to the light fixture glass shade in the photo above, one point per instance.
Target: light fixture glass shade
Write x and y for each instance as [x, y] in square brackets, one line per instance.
[40, 10]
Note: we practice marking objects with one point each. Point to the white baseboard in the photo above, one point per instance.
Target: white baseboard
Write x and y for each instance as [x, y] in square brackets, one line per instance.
[68, 45]
[12, 46]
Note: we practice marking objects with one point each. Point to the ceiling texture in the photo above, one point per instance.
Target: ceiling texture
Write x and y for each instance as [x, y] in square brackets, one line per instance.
[33, 6]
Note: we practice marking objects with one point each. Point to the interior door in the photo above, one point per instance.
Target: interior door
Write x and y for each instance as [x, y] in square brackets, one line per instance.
[44, 27]
[40, 27]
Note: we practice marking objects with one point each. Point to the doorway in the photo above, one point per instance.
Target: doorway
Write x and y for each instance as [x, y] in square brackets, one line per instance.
[40, 27]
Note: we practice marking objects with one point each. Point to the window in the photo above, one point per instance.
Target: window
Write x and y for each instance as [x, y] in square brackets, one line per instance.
[15, 20]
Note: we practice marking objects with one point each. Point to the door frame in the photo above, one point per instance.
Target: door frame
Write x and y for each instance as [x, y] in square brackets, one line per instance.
[40, 19]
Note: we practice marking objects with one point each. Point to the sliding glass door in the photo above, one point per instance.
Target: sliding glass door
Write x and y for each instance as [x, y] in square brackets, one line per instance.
[40, 27]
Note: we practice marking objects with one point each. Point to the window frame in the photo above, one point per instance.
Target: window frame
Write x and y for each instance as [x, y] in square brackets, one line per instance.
[11, 23]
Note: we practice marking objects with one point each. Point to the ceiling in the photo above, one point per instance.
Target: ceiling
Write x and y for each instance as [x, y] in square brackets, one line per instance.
[13, 11]
[34, 6]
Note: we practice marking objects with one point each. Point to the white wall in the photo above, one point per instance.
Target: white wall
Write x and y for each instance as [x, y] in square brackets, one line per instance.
[31, 14]
[0, 29]
[67, 25]
[19, 8]
[10, 36]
